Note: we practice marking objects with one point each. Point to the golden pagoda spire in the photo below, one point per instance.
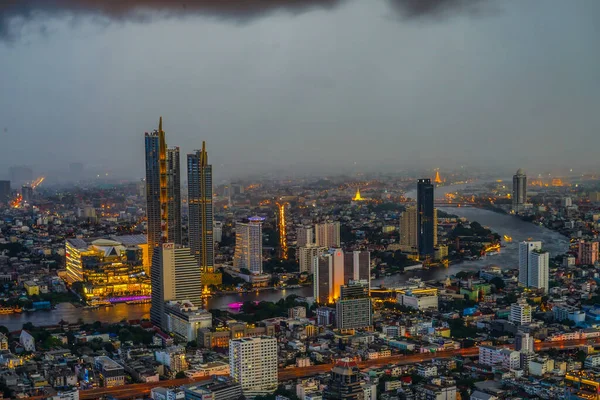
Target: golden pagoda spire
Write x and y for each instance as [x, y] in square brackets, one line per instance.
[437, 179]
[357, 196]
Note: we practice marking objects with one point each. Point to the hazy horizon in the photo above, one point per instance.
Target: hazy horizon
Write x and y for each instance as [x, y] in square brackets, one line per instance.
[302, 85]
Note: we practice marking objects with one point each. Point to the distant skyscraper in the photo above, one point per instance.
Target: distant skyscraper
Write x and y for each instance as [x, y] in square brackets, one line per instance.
[519, 195]
[354, 309]
[345, 382]
[328, 276]
[307, 255]
[4, 192]
[248, 245]
[327, 234]
[218, 231]
[426, 219]
[357, 267]
[173, 196]
[27, 193]
[304, 236]
[175, 277]
[533, 265]
[201, 215]
[253, 364]
[408, 228]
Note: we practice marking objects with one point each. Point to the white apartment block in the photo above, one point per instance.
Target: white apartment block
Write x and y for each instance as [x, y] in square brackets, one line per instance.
[253, 364]
[520, 313]
[496, 356]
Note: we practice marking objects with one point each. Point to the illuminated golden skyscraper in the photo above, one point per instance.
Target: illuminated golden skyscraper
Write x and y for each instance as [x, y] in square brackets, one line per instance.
[162, 190]
[201, 216]
[282, 222]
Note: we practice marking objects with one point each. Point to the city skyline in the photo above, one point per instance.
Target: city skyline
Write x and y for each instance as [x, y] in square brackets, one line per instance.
[381, 90]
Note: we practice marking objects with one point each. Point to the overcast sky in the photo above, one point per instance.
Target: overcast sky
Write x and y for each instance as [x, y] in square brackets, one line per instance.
[306, 85]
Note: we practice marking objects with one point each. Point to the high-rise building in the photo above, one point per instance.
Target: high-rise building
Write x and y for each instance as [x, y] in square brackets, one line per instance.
[253, 364]
[426, 219]
[357, 267]
[354, 309]
[4, 192]
[327, 234]
[163, 191]
[345, 382]
[173, 196]
[201, 215]
[27, 193]
[175, 277]
[328, 276]
[304, 236]
[218, 231]
[519, 195]
[520, 313]
[307, 255]
[248, 245]
[588, 252]
[408, 228]
[533, 265]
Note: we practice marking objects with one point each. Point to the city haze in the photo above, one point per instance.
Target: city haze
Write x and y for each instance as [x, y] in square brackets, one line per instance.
[301, 86]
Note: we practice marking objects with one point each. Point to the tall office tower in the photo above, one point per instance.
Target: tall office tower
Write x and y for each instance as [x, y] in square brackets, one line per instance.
[218, 231]
[156, 187]
[175, 277]
[519, 195]
[587, 252]
[253, 364]
[533, 265]
[27, 193]
[345, 382]
[201, 216]
[539, 269]
[173, 196]
[426, 219]
[307, 255]
[354, 309]
[248, 245]
[408, 228]
[327, 234]
[304, 236]
[357, 267]
[328, 277]
[4, 192]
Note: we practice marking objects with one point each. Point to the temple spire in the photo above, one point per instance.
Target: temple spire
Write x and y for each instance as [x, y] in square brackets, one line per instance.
[160, 124]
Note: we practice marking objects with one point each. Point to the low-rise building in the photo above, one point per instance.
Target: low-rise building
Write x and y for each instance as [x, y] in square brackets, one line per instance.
[111, 373]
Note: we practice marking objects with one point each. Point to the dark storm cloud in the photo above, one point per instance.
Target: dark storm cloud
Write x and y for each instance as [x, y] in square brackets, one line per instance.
[435, 8]
[14, 14]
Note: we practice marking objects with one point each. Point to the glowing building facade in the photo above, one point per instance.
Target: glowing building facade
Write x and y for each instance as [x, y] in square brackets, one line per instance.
[201, 215]
[248, 245]
[107, 269]
[163, 190]
[328, 276]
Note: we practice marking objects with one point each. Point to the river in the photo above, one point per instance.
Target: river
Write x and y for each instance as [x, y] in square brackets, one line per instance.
[500, 223]
[70, 313]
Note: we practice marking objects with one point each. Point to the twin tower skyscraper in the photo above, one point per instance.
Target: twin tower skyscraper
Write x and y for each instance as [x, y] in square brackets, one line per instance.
[163, 197]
